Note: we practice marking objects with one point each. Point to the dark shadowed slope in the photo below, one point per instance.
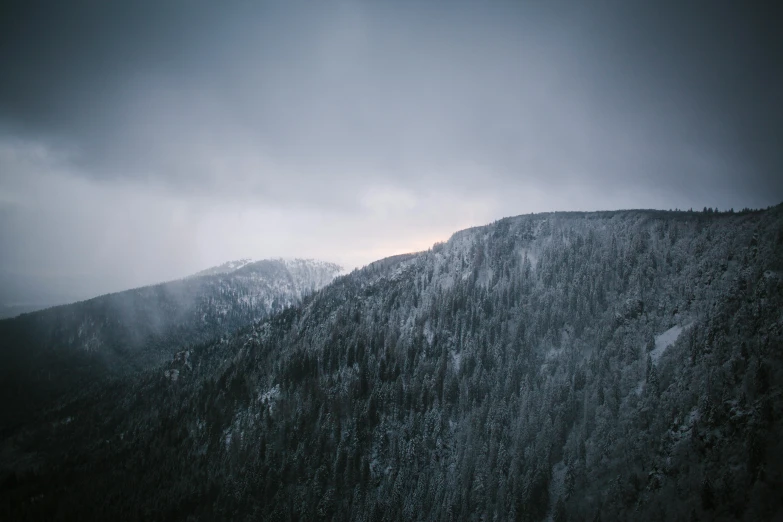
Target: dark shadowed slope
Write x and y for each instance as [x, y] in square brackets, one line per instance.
[46, 353]
[581, 366]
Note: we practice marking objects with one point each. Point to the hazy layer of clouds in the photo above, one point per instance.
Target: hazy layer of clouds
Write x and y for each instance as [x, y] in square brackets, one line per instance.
[144, 141]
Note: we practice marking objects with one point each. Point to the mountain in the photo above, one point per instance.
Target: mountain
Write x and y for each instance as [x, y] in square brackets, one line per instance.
[65, 348]
[567, 366]
[225, 268]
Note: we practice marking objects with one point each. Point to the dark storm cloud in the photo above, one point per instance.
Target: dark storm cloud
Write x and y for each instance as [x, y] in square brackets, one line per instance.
[631, 90]
[382, 124]
[708, 75]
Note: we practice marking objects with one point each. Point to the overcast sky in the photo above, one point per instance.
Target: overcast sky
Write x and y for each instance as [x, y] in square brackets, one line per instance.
[142, 141]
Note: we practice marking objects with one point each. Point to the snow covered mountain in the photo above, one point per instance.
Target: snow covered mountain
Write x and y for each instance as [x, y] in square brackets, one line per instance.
[567, 366]
[225, 268]
[48, 352]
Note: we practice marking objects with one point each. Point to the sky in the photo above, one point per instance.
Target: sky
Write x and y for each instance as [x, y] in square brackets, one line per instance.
[143, 141]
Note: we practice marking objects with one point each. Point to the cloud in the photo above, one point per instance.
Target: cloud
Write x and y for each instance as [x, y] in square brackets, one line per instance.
[141, 141]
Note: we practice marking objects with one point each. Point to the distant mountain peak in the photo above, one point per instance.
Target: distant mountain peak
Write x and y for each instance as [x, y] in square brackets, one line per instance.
[225, 268]
[289, 263]
[137, 329]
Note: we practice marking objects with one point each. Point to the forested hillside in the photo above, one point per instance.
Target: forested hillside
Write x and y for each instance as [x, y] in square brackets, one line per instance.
[568, 366]
[66, 348]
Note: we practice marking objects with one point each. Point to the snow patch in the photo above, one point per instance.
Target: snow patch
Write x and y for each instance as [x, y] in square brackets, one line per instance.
[639, 388]
[457, 359]
[531, 255]
[428, 333]
[665, 340]
[269, 397]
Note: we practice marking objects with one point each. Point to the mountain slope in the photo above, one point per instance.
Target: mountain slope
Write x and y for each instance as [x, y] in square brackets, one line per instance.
[572, 366]
[49, 352]
[225, 268]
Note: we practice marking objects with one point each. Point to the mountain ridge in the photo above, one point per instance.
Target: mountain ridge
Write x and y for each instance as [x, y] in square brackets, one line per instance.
[524, 370]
